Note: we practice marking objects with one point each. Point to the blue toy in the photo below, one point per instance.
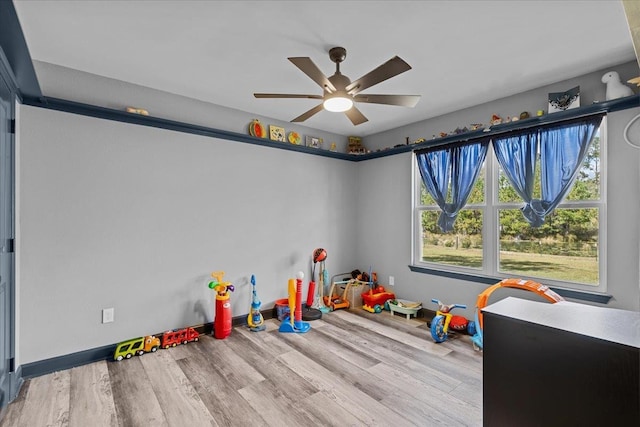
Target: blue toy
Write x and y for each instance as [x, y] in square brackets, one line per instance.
[440, 323]
[476, 339]
[255, 320]
[293, 322]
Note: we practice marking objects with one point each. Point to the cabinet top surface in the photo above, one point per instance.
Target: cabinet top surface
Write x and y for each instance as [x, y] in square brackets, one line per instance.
[609, 324]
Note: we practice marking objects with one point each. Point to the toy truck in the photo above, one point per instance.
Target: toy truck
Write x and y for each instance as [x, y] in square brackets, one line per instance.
[136, 346]
[181, 336]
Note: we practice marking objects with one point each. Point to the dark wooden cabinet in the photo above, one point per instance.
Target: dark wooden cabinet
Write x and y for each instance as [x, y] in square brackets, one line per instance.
[563, 364]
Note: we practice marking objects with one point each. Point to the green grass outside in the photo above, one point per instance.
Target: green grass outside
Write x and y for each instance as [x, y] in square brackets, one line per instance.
[557, 267]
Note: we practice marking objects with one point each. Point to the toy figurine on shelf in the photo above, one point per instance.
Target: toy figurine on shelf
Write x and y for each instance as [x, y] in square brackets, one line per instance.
[257, 129]
[615, 88]
[135, 110]
[496, 119]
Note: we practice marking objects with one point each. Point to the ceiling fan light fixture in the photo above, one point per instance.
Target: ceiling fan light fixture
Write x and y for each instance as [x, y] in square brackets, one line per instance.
[340, 94]
[337, 103]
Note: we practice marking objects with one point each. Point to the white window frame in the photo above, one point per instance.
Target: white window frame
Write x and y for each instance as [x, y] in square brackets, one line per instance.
[490, 232]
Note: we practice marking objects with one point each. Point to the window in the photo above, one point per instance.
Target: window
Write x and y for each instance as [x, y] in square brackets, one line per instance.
[492, 238]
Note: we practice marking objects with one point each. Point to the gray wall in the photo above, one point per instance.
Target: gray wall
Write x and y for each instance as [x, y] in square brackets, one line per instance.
[136, 218]
[384, 194]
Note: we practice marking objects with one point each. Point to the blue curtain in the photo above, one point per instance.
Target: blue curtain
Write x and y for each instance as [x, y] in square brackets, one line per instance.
[455, 169]
[562, 150]
[517, 157]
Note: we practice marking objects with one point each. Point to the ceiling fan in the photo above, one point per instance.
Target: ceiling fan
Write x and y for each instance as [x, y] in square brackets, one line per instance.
[340, 93]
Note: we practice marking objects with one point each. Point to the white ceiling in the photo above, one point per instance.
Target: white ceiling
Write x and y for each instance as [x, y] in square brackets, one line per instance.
[463, 53]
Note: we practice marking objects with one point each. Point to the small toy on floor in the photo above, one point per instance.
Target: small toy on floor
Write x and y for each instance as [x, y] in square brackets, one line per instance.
[440, 323]
[255, 320]
[222, 322]
[294, 323]
[408, 308]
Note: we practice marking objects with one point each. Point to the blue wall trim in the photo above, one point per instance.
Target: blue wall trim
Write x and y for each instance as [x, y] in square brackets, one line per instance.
[16, 383]
[589, 110]
[137, 119]
[15, 48]
[68, 361]
[123, 116]
[565, 293]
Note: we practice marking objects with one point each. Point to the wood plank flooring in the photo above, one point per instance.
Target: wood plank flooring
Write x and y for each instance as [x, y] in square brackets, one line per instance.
[352, 368]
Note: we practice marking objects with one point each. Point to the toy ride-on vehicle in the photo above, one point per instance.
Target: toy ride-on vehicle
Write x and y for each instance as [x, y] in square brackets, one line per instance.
[336, 301]
[375, 298]
[440, 323]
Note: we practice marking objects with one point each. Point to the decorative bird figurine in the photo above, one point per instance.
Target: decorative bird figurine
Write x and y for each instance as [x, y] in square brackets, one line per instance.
[615, 88]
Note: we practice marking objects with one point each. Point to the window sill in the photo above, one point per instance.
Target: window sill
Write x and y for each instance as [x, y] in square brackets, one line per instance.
[565, 293]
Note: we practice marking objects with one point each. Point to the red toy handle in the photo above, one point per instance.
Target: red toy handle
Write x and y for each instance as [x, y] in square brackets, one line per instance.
[298, 313]
[311, 294]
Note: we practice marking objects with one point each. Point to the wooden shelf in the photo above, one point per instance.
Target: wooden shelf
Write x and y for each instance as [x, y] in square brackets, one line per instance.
[601, 107]
[123, 116]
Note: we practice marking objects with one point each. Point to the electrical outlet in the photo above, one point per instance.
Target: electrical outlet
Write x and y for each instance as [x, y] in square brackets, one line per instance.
[392, 281]
[107, 315]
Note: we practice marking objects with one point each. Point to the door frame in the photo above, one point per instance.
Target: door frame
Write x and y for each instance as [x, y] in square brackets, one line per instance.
[15, 377]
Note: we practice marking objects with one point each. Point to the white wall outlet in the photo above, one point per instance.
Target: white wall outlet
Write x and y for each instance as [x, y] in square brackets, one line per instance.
[107, 315]
[392, 281]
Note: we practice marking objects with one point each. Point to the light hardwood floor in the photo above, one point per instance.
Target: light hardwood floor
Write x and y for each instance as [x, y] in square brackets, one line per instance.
[352, 368]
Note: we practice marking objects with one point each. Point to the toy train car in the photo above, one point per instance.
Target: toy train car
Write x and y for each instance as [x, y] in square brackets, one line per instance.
[182, 336]
[150, 343]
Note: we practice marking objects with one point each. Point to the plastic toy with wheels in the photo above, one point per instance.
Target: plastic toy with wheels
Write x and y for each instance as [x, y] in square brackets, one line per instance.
[179, 336]
[375, 309]
[525, 285]
[440, 323]
[136, 347]
[370, 304]
[335, 301]
[376, 297]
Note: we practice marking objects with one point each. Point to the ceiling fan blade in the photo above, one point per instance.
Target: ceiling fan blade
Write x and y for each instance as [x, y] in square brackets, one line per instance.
[401, 100]
[285, 95]
[355, 116]
[304, 116]
[391, 68]
[307, 66]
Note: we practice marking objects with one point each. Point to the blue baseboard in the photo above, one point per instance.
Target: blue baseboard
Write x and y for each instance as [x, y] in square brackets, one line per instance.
[68, 361]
